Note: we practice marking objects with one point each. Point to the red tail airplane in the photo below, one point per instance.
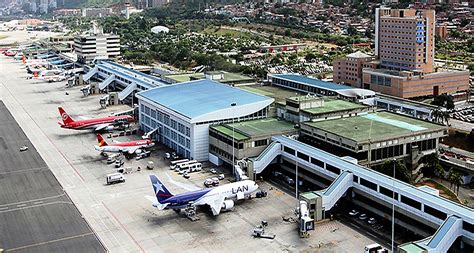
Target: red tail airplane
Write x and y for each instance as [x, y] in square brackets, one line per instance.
[98, 124]
[130, 147]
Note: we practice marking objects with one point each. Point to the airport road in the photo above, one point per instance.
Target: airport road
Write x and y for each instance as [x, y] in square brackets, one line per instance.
[120, 215]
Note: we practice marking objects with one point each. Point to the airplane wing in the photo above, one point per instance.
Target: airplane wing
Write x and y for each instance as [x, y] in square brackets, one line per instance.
[132, 150]
[187, 187]
[101, 127]
[215, 202]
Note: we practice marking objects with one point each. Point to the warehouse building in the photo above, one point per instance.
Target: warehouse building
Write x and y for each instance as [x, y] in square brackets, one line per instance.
[183, 113]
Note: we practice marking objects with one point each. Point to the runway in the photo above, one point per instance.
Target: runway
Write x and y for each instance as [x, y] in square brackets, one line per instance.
[36, 215]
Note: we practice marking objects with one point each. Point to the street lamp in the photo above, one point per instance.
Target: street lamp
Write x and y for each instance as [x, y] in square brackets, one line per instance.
[233, 138]
[393, 202]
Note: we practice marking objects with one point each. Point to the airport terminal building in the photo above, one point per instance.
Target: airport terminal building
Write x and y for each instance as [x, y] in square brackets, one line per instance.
[183, 113]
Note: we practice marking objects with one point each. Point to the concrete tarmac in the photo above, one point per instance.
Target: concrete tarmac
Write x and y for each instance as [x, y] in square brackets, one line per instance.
[119, 214]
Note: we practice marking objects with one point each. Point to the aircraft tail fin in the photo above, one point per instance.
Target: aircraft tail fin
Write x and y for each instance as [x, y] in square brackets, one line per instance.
[161, 192]
[101, 140]
[66, 118]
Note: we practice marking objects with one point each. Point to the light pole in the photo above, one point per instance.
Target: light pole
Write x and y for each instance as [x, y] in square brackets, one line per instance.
[393, 202]
[233, 138]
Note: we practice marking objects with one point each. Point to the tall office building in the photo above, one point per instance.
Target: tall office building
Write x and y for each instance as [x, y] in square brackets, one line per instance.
[405, 39]
[88, 47]
[404, 59]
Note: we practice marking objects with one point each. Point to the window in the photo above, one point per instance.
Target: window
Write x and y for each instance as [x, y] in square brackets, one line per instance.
[387, 192]
[303, 156]
[289, 150]
[355, 179]
[411, 202]
[333, 169]
[261, 143]
[435, 212]
[317, 162]
[468, 226]
[368, 184]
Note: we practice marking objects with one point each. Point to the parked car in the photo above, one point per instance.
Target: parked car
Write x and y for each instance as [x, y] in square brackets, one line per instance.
[167, 155]
[119, 162]
[363, 216]
[213, 171]
[208, 182]
[143, 155]
[372, 221]
[353, 213]
[221, 176]
[215, 181]
[186, 175]
[23, 148]
[111, 159]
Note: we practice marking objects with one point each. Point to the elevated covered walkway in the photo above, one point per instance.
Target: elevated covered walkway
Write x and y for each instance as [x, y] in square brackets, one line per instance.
[451, 218]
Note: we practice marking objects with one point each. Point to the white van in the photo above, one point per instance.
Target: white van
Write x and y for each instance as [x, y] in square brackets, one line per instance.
[372, 248]
[115, 178]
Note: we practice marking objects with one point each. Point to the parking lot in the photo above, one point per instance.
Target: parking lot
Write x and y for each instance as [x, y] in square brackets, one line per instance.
[119, 214]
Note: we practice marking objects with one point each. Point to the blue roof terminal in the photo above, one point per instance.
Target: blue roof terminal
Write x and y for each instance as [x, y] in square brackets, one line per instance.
[312, 82]
[196, 98]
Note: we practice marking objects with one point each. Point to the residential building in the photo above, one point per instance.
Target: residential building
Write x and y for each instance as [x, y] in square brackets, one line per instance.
[102, 46]
[97, 12]
[349, 70]
[183, 113]
[441, 31]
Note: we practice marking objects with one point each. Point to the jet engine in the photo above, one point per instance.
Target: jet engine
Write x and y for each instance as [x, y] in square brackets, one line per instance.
[227, 205]
[109, 128]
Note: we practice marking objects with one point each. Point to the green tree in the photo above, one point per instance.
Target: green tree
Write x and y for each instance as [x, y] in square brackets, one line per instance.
[401, 171]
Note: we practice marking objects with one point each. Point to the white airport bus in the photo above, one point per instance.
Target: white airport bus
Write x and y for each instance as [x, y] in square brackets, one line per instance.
[184, 165]
[192, 167]
[175, 162]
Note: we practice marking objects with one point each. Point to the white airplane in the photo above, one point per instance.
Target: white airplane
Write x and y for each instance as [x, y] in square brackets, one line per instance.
[218, 198]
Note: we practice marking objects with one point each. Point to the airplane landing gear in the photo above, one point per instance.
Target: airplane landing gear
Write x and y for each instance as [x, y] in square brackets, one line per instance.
[190, 212]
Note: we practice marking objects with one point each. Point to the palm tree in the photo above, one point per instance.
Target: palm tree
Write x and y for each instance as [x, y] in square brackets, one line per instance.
[401, 171]
[439, 170]
[450, 177]
[458, 180]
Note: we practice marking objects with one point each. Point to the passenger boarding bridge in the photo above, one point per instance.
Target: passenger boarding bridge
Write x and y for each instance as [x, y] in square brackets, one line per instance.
[451, 219]
[128, 79]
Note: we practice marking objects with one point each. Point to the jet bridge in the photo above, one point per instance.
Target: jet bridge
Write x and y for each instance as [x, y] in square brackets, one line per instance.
[127, 91]
[266, 157]
[324, 200]
[106, 82]
[91, 73]
[441, 241]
